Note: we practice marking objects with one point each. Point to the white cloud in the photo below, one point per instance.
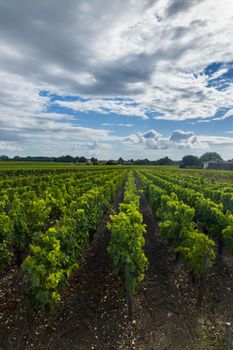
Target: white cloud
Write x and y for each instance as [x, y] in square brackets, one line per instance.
[180, 135]
[216, 140]
[27, 128]
[179, 139]
[119, 124]
[9, 146]
[103, 106]
[228, 114]
[146, 50]
[149, 54]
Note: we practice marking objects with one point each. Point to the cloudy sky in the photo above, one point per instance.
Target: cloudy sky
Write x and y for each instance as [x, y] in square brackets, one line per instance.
[130, 78]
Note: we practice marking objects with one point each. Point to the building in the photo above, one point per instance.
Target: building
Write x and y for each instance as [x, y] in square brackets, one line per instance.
[209, 162]
[218, 165]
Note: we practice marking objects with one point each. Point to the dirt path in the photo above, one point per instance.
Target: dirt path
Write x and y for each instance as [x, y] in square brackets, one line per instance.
[167, 317]
[167, 307]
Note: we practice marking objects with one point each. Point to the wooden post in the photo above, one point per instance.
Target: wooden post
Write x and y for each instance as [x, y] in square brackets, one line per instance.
[228, 336]
[128, 294]
[203, 281]
[29, 306]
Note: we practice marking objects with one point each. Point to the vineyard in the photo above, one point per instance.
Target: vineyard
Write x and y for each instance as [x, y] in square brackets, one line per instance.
[115, 257]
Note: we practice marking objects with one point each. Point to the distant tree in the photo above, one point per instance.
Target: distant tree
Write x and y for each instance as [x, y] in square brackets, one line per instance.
[142, 162]
[111, 162]
[67, 159]
[210, 156]
[94, 161]
[82, 160]
[3, 157]
[164, 161]
[120, 161]
[191, 161]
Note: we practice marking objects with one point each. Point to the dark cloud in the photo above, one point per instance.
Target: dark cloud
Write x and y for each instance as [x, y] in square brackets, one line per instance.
[151, 134]
[6, 135]
[112, 78]
[92, 145]
[177, 6]
[180, 135]
[54, 33]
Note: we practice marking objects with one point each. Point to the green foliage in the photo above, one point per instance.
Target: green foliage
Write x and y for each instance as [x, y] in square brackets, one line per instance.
[127, 241]
[177, 222]
[210, 156]
[191, 161]
[131, 195]
[228, 233]
[208, 214]
[19, 218]
[57, 251]
[6, 237]
[126, 244]
[211, 217]
[45, 268]
[50, 213]
[54, 256]
[164, 161]
[176, 219]
[5, 255]
[195, 248]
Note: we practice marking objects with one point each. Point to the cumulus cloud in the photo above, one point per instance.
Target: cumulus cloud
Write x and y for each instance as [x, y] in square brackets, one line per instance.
[179, 135]
[122, 48]
[152, 134]
[132, 58]
[179, 139]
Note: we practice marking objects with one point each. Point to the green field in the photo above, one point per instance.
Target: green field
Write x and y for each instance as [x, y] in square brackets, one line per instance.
[50, 213]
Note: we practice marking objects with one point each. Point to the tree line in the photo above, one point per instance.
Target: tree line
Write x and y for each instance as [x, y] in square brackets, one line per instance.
[187, 161]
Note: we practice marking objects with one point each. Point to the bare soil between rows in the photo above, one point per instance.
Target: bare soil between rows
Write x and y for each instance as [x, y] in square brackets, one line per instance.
[93, 313]
[167, 296]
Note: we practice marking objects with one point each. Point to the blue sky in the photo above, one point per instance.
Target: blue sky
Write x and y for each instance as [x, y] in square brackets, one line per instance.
[137, 79]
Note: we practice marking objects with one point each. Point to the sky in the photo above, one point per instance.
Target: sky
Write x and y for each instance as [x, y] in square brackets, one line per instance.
[120, 78]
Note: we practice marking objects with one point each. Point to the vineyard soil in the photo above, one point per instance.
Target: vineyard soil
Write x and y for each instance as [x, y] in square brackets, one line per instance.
[169, 318]
[93, 313]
